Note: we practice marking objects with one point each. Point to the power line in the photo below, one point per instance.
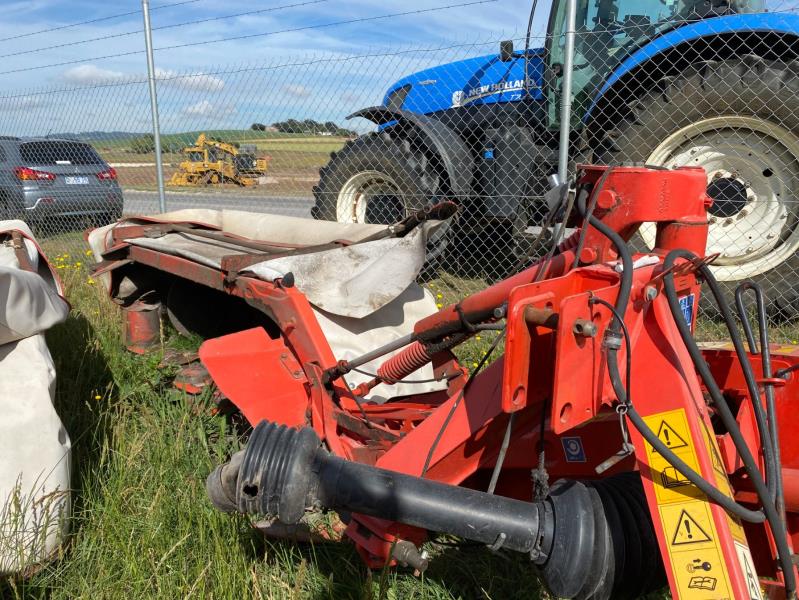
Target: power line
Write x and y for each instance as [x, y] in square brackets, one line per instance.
[98, 20]
[254, 35]
[316, 60]
[241, 14]
[333, 24]
[127, 33]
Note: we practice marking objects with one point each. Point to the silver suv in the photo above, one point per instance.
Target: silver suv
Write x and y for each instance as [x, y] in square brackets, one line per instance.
[61, 182]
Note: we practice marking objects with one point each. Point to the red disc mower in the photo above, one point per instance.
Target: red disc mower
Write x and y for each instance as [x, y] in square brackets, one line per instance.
[602, 442]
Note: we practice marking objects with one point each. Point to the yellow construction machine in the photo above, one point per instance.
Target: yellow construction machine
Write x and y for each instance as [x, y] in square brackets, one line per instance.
[210, 161]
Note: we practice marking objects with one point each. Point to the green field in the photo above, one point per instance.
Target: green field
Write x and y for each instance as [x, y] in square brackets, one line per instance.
[143, 527]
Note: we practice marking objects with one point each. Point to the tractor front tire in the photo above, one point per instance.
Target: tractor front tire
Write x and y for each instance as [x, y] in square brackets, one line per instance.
[739, 120]
[379, 178]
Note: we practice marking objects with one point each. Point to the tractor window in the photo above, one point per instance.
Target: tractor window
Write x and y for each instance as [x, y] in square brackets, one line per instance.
[608, 30]
[195, 156]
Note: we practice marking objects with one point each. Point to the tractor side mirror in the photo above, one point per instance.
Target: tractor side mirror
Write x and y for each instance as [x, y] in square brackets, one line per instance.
[506, 50]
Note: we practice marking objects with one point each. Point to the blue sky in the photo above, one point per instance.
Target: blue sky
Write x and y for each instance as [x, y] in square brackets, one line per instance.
[214, 95]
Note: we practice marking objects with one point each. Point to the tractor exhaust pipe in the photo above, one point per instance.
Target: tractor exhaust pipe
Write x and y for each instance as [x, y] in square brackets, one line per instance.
[285, 472]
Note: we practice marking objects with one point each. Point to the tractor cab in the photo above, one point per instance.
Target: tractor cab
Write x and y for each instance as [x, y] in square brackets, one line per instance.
[608, 31]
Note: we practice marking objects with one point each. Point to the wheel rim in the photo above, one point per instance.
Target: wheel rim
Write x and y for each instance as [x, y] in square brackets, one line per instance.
[752, 167]
[370, 197]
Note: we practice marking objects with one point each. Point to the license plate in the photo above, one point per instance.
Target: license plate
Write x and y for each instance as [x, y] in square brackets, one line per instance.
[76, 180]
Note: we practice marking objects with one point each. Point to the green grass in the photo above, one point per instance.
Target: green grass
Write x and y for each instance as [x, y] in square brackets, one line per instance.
[142, 525]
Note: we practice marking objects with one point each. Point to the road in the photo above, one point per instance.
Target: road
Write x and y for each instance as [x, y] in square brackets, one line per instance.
[141, 202]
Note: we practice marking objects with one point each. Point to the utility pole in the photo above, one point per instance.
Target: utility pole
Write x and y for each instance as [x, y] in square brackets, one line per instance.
[148, 45]
[566, 91]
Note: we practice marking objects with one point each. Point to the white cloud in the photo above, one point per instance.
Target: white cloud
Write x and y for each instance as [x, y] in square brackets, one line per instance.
[88, 74]
[193, 81]
[296, 90]
[19, 103]
[204, 108]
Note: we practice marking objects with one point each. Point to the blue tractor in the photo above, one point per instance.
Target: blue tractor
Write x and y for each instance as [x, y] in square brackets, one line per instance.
[663, 82]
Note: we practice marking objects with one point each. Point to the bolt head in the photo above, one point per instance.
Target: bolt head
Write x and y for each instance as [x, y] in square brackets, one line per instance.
[650, 293]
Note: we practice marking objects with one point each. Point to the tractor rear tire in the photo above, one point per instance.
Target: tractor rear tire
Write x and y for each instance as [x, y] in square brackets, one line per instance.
[379, 178]
[739, 119]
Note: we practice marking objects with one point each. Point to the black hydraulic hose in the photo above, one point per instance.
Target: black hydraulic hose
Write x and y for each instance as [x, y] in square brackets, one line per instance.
[626, 283]
[591, 205]
[769, 509]
[747, 327]
[707, 377]
[784, 373]
[621, 392]
[768, 388]
[707, 488]
[764, 492]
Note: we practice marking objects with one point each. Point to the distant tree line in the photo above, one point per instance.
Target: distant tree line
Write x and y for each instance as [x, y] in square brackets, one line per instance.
[304, 126]
[145, 144]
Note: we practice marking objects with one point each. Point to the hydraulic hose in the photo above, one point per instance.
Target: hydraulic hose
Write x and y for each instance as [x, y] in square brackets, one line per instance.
[707, 377]
[591, 204]
[764, 492]
[615, 327]
[768, 387]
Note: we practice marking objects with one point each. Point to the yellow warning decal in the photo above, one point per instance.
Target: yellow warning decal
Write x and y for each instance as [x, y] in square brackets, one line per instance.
[670, 486]
[685, 516]
[700, 573]
[748, 568]
[722, 482]
[689, 531]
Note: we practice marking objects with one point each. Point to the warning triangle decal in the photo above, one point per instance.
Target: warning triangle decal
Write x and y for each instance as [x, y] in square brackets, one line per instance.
[669, 437]
[688, 531]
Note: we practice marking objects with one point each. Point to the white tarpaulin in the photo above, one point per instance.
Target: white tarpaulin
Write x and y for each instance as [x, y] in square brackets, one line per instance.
[34, 446]
[364, 294]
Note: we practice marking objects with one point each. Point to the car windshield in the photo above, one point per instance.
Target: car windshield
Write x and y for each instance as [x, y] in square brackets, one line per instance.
[59, 153]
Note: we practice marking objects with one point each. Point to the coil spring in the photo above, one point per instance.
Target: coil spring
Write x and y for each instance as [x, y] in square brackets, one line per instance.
[570, 243]
[406, 362]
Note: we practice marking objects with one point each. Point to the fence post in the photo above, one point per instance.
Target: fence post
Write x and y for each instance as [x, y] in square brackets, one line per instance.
[148, 44]
[566, 91]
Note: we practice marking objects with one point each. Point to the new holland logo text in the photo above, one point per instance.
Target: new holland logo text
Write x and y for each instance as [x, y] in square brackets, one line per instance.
[461, 97]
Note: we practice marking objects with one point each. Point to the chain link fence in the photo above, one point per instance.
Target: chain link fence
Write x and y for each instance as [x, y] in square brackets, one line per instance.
[706, 84]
